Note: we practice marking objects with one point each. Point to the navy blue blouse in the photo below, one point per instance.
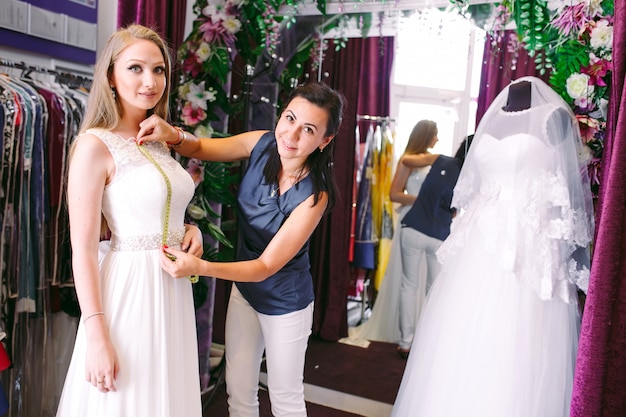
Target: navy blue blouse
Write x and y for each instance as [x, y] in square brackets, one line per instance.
[431, 213]
[260, 215]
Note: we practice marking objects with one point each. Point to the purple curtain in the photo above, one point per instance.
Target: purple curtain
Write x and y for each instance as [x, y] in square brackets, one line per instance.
[504, 60]
[600, 380]
[362, 73]
[167, 17]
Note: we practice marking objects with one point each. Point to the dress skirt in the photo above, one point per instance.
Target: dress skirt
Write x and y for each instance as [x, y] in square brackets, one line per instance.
[152, 327]
[485, 346]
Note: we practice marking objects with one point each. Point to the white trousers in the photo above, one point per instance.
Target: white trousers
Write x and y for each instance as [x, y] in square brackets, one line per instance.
[415, 246]
[284, 339]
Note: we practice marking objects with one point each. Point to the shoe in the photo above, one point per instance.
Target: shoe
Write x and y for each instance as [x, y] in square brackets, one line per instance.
[404, 353]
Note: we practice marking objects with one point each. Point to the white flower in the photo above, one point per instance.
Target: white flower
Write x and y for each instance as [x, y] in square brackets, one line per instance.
[595, 7]
[183, 90]
[578, 87]
[231, 24]
[211, 94]
[203, 131]
[198, 96]
[196, 212]
[216, 10]
[557, 5]
[203, 52]
[602, 35]
[583, 102]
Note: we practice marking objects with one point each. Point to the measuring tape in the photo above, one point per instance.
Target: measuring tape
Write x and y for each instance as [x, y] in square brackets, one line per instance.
[168, 204]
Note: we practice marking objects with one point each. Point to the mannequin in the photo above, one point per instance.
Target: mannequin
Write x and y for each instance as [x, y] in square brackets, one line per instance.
[498, 335]
[519, 97]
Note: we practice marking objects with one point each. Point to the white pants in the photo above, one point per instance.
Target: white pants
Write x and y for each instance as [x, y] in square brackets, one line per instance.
[284, 339]
[415, 246]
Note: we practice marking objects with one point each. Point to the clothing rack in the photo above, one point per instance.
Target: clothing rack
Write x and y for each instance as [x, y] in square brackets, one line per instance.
[71, 78]
[386, 119]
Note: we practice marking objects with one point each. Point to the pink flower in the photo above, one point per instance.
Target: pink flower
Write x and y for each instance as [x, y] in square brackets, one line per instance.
[594, 170]
[513, 45]
[195, 168]
[192, 65]
[588, 127]
[502, 16]
[597, 70]
[572, 19]
[215, 32]
[191, 115]
[584, 103]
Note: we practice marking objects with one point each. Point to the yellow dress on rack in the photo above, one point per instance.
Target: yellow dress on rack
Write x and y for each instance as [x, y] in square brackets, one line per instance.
[385, 206]
[375, 185]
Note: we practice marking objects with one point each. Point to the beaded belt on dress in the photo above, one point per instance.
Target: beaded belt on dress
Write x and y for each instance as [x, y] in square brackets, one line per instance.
[147, 242]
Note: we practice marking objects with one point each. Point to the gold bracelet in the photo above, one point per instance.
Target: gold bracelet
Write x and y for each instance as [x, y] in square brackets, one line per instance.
[97, 313]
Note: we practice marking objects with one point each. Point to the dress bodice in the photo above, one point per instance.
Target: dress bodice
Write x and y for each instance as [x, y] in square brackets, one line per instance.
[138, 191]
[518, 186]
[416, 179]
[501, 162]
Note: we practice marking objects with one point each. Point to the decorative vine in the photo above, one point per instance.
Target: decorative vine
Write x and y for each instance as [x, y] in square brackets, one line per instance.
[571, 41]
[228, 37]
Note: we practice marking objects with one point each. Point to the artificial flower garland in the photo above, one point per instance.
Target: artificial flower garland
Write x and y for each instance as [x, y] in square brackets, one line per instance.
[573, 41]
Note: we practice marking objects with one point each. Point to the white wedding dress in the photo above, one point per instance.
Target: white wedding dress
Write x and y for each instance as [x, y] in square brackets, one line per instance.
[383, 323]
[499, 330]
[149, 314]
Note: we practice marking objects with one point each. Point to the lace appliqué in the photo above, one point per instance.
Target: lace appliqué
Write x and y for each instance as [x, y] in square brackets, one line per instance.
[125, 152]
[535, 234]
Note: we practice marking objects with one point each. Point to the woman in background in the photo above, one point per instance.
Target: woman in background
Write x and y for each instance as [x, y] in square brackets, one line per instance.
[383, 324]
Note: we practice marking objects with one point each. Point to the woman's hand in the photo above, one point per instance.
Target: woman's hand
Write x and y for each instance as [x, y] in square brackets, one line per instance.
[101, 364]
[192, 242]
[155, 129]
[180, 264]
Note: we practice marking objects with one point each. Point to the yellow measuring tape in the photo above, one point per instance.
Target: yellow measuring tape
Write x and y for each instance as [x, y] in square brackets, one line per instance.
[168, 204]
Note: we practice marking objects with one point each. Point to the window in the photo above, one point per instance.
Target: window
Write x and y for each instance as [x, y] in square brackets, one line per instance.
[436, 76]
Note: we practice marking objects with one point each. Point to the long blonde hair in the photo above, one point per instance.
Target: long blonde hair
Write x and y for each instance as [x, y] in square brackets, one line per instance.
[102, 108]
[421, 137]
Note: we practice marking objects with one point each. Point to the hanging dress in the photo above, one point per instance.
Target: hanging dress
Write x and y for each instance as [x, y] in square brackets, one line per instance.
[383, 324]
[386, 227]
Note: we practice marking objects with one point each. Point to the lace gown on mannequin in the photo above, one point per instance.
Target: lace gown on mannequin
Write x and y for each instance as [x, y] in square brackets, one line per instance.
[150, 315]
[383, 325]
[498, 334]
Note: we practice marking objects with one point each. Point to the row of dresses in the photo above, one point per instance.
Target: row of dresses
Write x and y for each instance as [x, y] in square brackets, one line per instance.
[38, 117]
[383, 323]
[373, 216]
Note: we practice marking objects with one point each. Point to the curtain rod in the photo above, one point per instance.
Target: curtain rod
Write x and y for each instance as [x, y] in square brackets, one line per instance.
[23, 66]
[374, 118]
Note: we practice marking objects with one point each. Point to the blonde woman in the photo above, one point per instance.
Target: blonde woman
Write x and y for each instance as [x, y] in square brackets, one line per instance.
[136, 348]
